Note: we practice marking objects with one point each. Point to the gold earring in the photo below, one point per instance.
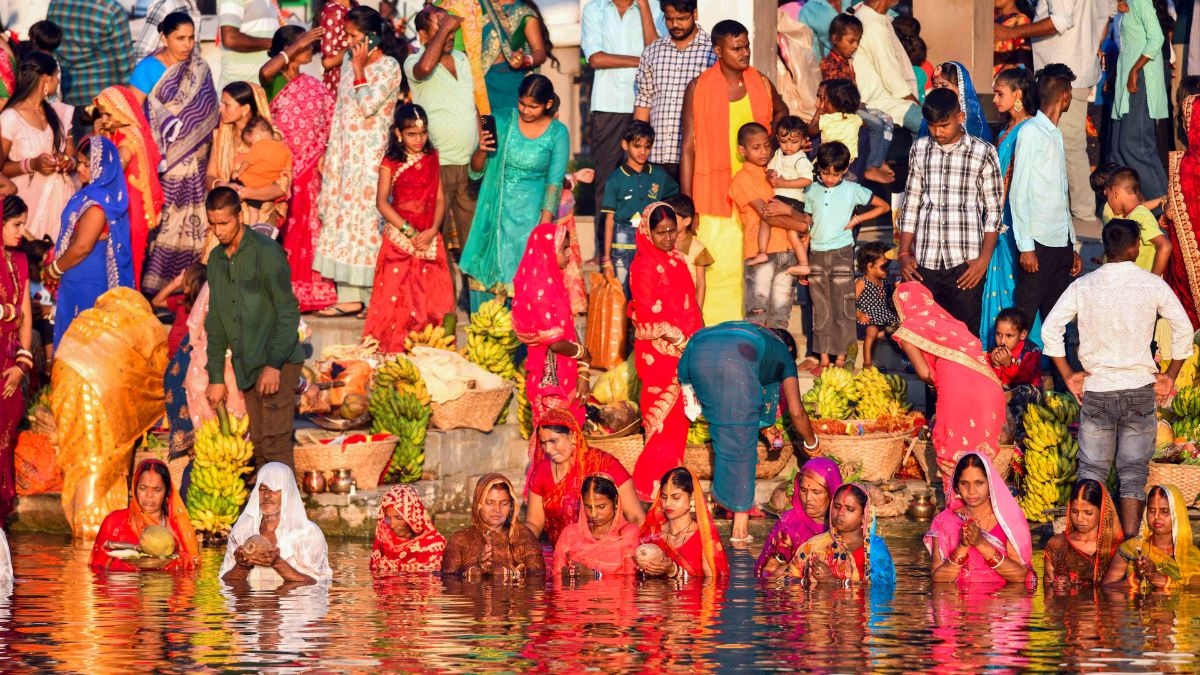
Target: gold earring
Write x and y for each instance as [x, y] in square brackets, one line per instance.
[1018, 106]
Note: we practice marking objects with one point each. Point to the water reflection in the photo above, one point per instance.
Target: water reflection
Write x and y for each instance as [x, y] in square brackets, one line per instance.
[60, 616]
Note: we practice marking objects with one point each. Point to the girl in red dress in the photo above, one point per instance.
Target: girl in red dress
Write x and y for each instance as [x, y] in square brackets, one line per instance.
[412, 278]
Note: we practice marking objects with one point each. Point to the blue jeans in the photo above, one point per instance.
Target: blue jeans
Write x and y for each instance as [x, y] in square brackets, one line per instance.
[1120, 426]
[623, 247]
[879, 132]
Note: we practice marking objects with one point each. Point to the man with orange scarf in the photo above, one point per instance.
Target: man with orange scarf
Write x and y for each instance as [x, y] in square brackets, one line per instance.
[716, 104]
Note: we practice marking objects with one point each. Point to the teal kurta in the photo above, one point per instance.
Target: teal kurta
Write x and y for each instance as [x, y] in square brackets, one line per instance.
[522, 178]
[1141, 36]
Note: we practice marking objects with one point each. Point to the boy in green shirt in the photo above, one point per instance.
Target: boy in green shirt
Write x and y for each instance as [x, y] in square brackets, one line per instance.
[1123, 193]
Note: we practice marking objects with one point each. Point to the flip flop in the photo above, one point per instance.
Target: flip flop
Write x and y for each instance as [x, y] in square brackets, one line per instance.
[336, 312]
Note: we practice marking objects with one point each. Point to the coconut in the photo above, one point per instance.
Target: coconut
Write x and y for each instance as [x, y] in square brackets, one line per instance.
[649, 553]
[157, 541]
[256, 545]
[354, 405]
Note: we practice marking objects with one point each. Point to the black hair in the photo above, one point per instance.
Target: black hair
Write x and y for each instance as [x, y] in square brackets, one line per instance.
[1053, 82]
[423, 20]
[1021, 80]
[223, 198]
[1125, 176]
[1165, 21]
[750, 129]
[1188, 86]
[164, 474]
[197, 274]
[638, 129]
[868, 253]
[788, 341]
[1119, 235]
[599, 485]
[283, 38]
[34, 66]
[243, 94]
[1157, 491]
[541, 89]
[661, 213]
[914, 48]
[537, 12]
[790, 124]
[680, 477]
[683, 205]
[1089, 490]
[13, 206]
[844, 23]
[859, 495]
[1016, 316]
[46, 35]
[370, 22]
[726, 29]
[906, 26]
[174, 20]
[257, 122]
[940, 105]
[832, 156]
[560, 429]
[843, 96]
[1099, 176]
[684, 6]
[967, 462]
[404, 117]
[949, 73]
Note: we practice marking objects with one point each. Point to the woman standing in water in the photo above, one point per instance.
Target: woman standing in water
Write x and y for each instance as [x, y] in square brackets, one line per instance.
[690, 545]
[1163, 555]
[1080, 555]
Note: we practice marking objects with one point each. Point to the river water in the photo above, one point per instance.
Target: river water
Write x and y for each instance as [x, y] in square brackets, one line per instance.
[59, 616]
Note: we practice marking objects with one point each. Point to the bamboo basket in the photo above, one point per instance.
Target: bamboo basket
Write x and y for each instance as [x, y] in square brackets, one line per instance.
[698, 458]
[1002, 462]
[1186, 477]
[626, 448]
[477, 409]
[366, 460]
[878, 454]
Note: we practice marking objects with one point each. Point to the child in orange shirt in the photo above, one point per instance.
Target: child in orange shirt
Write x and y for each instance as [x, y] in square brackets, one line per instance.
[266, 163]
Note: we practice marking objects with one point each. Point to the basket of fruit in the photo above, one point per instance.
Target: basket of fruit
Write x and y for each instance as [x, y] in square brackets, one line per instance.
[365, 456]
[1177, 451]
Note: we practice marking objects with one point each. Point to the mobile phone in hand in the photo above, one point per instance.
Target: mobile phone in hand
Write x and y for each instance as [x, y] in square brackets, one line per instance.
[489, 125]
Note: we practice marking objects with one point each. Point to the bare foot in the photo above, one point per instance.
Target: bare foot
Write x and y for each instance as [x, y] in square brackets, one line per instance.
[758, 259]
[741, 528]
[880, 174]
[798, 270]
[840, 362]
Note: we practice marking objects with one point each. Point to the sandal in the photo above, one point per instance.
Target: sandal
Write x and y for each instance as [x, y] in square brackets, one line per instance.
[336, 312]
[741, 540]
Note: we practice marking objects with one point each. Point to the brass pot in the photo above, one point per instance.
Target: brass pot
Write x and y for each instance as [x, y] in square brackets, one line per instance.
[341, 482]
[313, 482]
[922, 507]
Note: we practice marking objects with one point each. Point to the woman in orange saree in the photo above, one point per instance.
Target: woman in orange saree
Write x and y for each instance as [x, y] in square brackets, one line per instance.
[691, 545]
[155, 502]
[1080, 555]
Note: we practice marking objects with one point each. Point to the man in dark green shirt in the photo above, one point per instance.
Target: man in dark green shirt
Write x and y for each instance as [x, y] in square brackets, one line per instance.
[254, 314]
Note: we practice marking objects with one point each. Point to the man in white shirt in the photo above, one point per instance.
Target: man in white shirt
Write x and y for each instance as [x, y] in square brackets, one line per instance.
[1070, 32]
[246, 30]
[882, 70]
[1119, 387]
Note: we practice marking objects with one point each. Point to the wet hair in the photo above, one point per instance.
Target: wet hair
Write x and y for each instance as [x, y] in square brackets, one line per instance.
[34, 66]
[680, 477]
[257, 123]
[599, 485]
[165, 474]
[1119, 235]
[283, 38]
[243, 94]
[1099, 177]
[788, 341]
[790, 124]
[222, 198]
[541, 89]
[638, 129]
[173, 21]
[423, 20]
[46, 35]
[859, 495]
[940, 105]
[1089, 490]
[13, 206]
[906, 26]
[370, 22]
[833, 156]
[844, 23]
[1021, 80]
[404, 117]
[1054, 82]
[684, 6]
[750, 130]
[870, 252]
[966, 462]
[1016, 316]
[1126, 177]
[194, 279]
[727, 29]
[843, 96]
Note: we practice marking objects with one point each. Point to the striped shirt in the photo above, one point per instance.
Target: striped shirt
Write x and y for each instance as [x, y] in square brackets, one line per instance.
[662, 79]
[952, 198]
[148, 41]
[255, 18]
[96, 48]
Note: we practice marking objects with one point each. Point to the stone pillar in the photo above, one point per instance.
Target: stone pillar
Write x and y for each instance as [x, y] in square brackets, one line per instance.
[959, 30]
[756, 15]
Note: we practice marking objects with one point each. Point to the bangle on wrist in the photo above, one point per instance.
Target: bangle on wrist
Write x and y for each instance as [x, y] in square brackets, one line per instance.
[286, 59]
[815, 443]
[997, 560]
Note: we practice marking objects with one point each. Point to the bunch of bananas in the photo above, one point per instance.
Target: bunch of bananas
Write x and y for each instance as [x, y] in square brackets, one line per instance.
[838, 395]
[1049, 457]
[1187, 402]
[877, 395]
[524, 411]
[1186, 427]
[491, 340]
[222, 456]
[399, 406]
[430, 336]
[698, 433]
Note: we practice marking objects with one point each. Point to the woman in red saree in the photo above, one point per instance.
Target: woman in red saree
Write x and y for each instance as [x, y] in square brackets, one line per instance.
[154, 502]
[303, 113]
[945, 355]
[665, 315]
[557, 476]
[1183, 214]
[412, 286]
[692, 546]
[556, 368]
[405, 538]
[16, 337]
[123, 121]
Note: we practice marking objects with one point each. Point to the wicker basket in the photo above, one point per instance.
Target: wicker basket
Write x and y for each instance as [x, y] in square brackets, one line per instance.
[626, 448]
[1186, 477]
[878, 454]
[366, 460]
[477, 409]
[699, 459]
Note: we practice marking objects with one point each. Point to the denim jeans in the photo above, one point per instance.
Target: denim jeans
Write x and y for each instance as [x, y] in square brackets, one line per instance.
[1118, 425]
[623, 247]
[879, 132]
[769, 290]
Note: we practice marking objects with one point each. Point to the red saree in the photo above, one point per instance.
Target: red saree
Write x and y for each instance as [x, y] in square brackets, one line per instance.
[125, 526]
[303, 113]
[1183, 210]
[703, 547]
[14, 285]
[542, 315]
[412, 289]
[664, 312]
[391, 554]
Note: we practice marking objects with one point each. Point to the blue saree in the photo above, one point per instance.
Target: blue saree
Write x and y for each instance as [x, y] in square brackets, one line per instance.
[968, 101]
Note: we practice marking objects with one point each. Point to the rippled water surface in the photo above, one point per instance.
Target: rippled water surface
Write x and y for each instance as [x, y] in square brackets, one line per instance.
[59, 616]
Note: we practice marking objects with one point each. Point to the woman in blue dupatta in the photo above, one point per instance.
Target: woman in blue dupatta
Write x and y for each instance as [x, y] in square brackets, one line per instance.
[953, 76]
[1016, 99]
[93, 253]
[850, 552]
